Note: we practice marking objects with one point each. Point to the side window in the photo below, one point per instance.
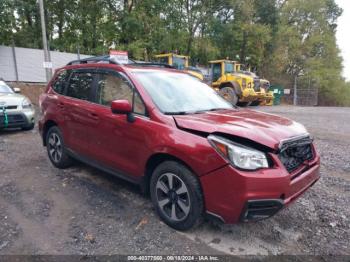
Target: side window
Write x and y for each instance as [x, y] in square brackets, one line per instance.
[216, 71]
[139, 106]
[60, 82]
[116, 87]
[80, 85]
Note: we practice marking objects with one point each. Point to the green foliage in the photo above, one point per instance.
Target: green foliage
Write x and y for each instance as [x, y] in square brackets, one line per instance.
[280, 38]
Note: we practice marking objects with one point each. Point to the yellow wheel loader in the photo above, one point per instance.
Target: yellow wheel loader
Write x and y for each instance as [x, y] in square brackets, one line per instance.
[180, 62]
[261, 87]
[234, 86]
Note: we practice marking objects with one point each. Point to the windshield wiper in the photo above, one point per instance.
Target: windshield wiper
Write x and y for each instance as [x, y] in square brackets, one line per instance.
[178, 113]
[209, 110]
[194, 112]
[218, 109]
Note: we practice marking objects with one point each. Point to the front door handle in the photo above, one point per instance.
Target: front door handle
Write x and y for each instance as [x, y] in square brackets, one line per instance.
[93, 116]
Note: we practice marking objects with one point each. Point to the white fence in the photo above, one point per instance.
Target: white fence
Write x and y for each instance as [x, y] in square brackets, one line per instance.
[26, 65]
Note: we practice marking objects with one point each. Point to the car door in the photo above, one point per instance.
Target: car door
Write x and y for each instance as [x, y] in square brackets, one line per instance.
[78, 108]
[117, 143]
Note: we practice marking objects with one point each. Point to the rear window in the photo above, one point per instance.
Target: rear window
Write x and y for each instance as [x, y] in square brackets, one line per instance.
[80, 85]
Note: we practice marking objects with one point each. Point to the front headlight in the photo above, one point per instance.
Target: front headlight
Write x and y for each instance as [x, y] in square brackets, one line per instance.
[26, 103]
[244, 83]
[240, 156]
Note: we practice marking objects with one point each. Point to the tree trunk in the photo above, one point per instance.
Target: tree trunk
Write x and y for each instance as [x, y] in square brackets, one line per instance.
[61, 19]
[243, 48]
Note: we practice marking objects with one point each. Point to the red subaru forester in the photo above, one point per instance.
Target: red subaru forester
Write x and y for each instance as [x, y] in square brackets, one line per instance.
[174, 136]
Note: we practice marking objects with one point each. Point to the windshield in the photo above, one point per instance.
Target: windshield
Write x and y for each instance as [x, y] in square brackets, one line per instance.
[229, 68]
[176, 93]
[163, 60]
[5, 88]
[194, 69]
[179, 62]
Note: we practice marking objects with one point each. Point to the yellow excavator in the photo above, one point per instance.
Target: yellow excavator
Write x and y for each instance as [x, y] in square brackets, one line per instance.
[236, 87]
[180, 62]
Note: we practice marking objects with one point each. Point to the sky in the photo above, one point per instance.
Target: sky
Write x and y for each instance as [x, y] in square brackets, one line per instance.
[343, 36]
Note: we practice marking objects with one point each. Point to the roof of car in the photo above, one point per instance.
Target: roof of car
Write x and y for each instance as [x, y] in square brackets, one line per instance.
[107, 61]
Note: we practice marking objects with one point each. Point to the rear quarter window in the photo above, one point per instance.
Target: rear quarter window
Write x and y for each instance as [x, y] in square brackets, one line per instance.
[60, 82]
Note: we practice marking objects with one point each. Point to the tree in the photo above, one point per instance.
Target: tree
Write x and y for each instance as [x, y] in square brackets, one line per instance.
[280, 38]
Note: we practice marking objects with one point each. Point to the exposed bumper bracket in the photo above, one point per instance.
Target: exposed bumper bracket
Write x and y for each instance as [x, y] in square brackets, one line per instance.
[255, 210]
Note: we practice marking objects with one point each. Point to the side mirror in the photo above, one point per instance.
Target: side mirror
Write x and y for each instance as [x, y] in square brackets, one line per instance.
[121, 107]
[17, 90]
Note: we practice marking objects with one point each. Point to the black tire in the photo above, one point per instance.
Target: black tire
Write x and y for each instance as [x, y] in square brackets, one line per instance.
[57, 152]
[255, 103]
[243, 104]
[29, 127]
[229, 94]
[188, 205]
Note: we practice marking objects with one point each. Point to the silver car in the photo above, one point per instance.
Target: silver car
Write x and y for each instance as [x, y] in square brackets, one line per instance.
[16, 110]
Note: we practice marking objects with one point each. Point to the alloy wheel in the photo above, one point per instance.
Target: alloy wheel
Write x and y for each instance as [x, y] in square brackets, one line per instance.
[55, 147]
[173, 197]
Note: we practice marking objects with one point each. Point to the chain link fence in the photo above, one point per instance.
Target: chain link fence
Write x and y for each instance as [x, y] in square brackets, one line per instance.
[307, 92]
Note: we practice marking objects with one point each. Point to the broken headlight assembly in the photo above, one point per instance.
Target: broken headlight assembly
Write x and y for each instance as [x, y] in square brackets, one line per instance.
[239, 156]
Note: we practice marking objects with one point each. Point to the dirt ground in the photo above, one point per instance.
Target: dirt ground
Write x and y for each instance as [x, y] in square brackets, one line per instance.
[84, 211]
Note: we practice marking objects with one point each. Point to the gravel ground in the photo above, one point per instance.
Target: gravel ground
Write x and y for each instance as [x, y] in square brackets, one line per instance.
[84, 211]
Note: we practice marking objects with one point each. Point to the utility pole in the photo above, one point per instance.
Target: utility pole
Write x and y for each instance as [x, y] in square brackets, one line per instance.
[47, 63]
[14, 58]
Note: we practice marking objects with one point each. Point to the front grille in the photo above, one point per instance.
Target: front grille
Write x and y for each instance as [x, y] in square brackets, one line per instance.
[266, 85]
[257, 84]
[13, 119]
[294, 153]
[10, 107]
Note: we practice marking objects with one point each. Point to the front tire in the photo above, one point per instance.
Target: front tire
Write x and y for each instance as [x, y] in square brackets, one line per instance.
[243, 104]
[176, 195]
[56, 148]
[229, 94]
[28, 127]
[255, 103]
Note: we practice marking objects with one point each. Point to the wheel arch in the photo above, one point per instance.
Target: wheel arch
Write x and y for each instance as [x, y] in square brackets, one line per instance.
[154, 161]
[234, 84]
[48, 124]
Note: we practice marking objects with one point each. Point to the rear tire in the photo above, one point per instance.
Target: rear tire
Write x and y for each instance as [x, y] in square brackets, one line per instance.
[255, 103]
[29, 127]
[229, 94]
[56, 149]
[176, 195]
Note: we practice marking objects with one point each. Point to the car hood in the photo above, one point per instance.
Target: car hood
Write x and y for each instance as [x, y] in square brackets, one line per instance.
[11, 99]
[262, 128]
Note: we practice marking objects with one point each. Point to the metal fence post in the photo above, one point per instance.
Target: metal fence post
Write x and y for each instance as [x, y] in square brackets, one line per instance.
[14, 59]
[295, 95]
[78, 53]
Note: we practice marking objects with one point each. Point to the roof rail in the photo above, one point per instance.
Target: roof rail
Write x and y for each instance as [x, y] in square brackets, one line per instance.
[93, 59]
[111, 60]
